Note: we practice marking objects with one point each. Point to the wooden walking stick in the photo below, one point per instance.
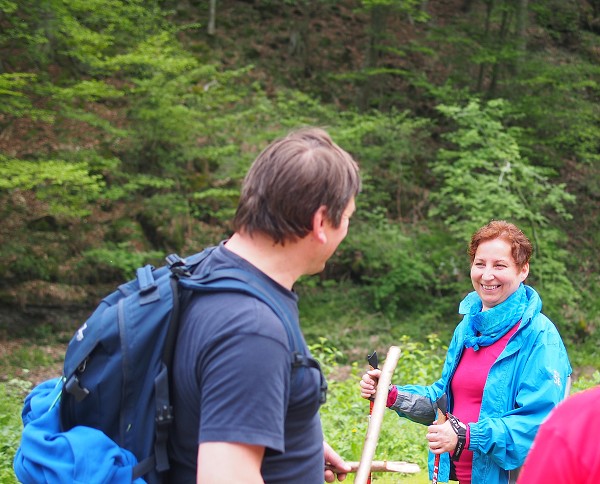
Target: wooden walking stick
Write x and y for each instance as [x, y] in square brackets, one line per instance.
[373, 364]
[381, 466]
[376, 418]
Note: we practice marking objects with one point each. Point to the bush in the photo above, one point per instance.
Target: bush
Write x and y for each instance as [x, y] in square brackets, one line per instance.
[116, 263]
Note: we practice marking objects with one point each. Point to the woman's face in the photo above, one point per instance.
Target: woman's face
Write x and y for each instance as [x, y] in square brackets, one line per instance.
[494, 273]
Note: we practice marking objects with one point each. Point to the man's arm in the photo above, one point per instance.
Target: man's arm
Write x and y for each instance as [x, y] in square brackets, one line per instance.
[220, 462]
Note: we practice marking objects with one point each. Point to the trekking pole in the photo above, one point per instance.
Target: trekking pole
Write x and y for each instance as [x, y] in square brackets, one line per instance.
[381, 466]
[442, 408]
[373, 365]
[376, 417]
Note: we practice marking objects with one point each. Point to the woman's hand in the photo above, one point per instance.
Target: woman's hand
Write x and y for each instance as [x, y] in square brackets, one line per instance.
[368, 383]
[442, 438]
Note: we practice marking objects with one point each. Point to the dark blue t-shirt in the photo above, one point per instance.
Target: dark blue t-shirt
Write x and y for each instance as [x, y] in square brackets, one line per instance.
[231, 383]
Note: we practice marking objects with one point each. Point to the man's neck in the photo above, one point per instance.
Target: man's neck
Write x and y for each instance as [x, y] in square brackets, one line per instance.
[282, 263]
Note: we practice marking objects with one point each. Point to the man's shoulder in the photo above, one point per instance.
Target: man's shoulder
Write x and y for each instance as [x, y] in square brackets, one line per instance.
[230, 312]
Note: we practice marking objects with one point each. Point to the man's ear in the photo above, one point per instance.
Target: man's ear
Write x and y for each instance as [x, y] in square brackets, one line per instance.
[318, 224]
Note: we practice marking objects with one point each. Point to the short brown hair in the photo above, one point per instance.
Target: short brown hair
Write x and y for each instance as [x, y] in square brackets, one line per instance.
[521, 247]
[290, 180]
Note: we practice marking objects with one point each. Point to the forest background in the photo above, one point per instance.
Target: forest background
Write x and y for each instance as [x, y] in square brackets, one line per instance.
[126, 127]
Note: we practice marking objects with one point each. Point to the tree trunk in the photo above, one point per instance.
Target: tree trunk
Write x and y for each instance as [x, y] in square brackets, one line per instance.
[521, 33]
[485, 42]
[300, 34]
[376, 34]
[212, 12]
[502, 35]
[466, 6]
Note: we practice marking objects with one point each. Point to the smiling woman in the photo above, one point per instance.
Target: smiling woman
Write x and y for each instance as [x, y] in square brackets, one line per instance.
[505, 370]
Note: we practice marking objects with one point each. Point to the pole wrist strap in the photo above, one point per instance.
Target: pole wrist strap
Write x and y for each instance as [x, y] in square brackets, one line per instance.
[461, 431]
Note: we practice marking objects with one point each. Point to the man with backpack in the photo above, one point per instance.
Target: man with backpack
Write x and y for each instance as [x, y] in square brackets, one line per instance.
[245, 396]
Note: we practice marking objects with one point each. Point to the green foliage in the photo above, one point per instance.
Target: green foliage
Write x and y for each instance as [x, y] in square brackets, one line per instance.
[391, 150]
[560, 99]
[343, 308]
[10, 425]
[27, 358]
[398, 276]
[420, 362]
[216, 203]
[19, 261]
[131, 186]
[414, 9]
[16, 91]
[559, 18]
[176, 101]
[583, 383]
[80, 34]
[405, 268]
[165, 219]
[116, 263]
[326, 354]
[66, 187]
[483, 175]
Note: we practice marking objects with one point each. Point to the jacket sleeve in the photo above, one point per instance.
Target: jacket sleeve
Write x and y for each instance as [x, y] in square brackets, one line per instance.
[418, 402]
[414, 407]
[538, 386]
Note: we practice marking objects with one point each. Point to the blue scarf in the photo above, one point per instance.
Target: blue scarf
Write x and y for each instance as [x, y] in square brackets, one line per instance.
[487, 327]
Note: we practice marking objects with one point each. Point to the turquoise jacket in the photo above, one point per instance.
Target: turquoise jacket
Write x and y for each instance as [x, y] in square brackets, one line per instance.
[526, 382]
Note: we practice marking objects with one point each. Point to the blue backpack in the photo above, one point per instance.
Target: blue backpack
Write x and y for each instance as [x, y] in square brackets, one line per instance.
[107, 419]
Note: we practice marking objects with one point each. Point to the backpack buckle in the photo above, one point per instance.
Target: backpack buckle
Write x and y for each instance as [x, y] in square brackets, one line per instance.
[73, 386]
[164, 415]
[298, 360]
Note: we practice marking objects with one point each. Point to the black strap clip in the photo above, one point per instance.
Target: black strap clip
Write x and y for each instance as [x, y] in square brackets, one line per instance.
[164, 415]
[461, 431]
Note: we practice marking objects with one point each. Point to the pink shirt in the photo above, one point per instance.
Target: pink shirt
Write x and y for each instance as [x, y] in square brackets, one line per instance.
[467, 387]
[566, 449]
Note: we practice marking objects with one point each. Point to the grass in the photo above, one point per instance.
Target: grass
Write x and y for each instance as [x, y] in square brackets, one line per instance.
[11, 397]
[22, 363]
